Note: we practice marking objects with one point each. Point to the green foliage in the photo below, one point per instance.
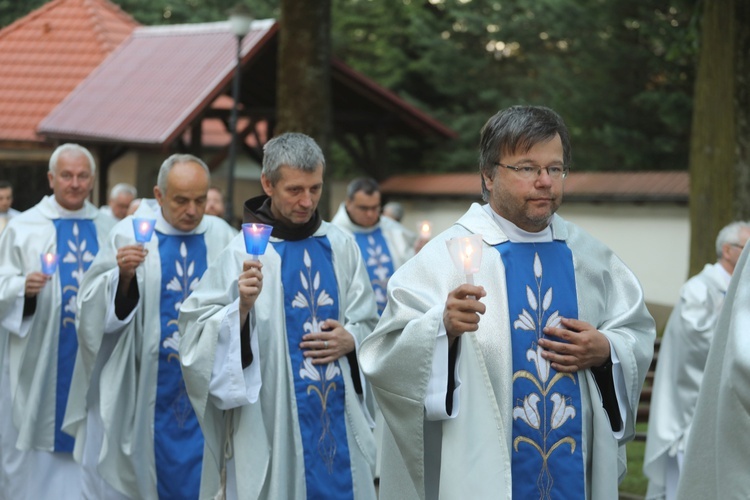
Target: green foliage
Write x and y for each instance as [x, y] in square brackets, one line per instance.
[10, 10]
[151, 12]
[620, 72]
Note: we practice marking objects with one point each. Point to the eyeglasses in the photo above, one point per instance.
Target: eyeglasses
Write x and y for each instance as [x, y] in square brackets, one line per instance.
[532, 172]
[741, 247]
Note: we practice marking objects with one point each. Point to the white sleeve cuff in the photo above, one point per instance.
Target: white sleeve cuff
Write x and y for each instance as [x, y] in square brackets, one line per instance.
[230, 385]
[620, 391]
[13, 321]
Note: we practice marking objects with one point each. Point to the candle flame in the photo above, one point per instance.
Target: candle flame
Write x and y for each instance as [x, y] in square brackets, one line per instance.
[469, 250]
[49, 257]
[144, 226]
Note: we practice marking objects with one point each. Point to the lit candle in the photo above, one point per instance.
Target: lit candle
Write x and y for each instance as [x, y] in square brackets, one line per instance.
[143, 228]
[49, 263]
[466, 253]
[256, 238]
[425, 230]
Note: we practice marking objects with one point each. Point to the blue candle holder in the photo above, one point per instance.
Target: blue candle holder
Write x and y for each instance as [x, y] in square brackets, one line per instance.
[49, 263]
[256, 238]
[143, 228]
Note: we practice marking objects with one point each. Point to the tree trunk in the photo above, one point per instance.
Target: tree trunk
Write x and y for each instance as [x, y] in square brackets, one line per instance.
[720, 144]
[304, 75]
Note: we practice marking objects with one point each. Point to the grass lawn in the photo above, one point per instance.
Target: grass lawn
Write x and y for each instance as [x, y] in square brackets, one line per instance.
[635, 482]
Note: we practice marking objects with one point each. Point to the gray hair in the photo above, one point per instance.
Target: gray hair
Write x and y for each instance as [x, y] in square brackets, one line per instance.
[166, 166]
[71, 148]
[518, 129]
[395, 208]
[122, 188]
[367, 185]
[294, 150]
[730, 234]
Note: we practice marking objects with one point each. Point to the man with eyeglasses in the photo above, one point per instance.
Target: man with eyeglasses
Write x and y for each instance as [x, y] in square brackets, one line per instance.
[523, 382]
[37, 316]
[385, 244]
[682, 360]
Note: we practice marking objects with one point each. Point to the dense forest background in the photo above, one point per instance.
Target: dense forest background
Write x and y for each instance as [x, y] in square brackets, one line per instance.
[621, 72]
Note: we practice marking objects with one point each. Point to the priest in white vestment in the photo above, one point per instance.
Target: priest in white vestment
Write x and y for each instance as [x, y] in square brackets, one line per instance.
[385, 244]
[136, 433]
[716, 460]
[63, 233]
[682, 359]
[6, 200]
[268, 347]
[519, 379]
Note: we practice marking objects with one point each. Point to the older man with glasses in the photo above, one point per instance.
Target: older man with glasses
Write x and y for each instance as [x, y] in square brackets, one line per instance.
[522, 381]
[682, 361]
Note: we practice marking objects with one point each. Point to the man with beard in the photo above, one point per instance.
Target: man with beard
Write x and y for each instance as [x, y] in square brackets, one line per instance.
[522, 382]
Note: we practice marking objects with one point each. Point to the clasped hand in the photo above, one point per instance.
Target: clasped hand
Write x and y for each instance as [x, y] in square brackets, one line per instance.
[327, 345]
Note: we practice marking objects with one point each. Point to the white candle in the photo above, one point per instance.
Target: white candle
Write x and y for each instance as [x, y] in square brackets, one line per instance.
[425, 230]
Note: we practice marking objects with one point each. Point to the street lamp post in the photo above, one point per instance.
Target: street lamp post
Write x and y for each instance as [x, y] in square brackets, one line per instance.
[239, 24]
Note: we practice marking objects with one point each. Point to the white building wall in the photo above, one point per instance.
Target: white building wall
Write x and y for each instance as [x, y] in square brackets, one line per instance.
[652, 239]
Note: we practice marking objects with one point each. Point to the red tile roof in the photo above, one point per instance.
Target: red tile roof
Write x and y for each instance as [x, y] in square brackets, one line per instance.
[155, 84]
[162, 78]
[579, 186]
[45, 54]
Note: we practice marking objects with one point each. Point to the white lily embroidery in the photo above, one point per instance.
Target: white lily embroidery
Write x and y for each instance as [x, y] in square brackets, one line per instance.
[561, 410]
[184, 281]
[332, 370]
[172, 342]
[529, 412]
[554, 320]
[525, 322]
[542, 365]
[77, 255]
[309, 371]
[71, 306]
[537, 266]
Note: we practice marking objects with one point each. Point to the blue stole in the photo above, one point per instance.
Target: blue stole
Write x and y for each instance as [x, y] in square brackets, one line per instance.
[311, 297]
[378, 261]
[547, 459]
[77, 246]
[178, 441]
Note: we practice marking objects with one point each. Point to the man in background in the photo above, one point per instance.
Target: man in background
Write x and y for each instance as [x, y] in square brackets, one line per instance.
[385, 244]
[394, 210]
[120, 197]
[6, 200]
[716, 457]
[215, 202]
[682, 360]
